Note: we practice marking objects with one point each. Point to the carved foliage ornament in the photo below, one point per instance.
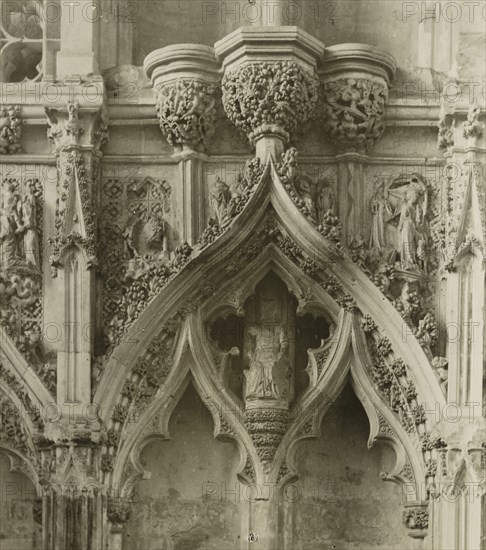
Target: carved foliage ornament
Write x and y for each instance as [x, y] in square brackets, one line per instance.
[354, 111]
[76, 180]
[472, 127]
[269, 97]
[446, 132]
[137, 293]
[12, 431]
[187, 112]
[416, 517]
[14, 383]
[10, 129]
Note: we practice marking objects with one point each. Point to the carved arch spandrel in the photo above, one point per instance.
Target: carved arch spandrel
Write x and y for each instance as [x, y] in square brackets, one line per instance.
[154, 422]
[206, 265]
[367, 296]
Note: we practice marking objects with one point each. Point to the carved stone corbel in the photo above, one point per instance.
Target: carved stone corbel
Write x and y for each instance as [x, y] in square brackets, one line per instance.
[416, 518]
[270, 85]
[185, 83]
[355, 82]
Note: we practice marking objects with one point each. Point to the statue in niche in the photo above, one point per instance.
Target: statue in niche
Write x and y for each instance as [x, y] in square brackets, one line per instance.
[269, 342]
[267, 352]
[220, 196]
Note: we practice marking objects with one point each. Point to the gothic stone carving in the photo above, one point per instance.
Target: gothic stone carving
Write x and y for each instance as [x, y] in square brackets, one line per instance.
[402, 256]
[445, 137]
[69, 228]
[187, 112]
[315, 199]
[472, 127]
[416, 518]
[14, 383]
[19, 224]
[10, 129]
[263, 98]
[12, 428]
[72, 127]
[130, 294]
[354, 110]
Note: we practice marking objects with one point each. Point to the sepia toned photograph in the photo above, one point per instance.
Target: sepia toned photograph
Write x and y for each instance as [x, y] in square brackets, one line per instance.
[242, 275]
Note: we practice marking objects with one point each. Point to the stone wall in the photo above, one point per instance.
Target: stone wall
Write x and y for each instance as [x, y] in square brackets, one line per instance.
[17, 528]
[183, 504]
[345, 503]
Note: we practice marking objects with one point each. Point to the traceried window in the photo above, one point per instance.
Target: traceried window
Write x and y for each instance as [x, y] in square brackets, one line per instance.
[29, 39]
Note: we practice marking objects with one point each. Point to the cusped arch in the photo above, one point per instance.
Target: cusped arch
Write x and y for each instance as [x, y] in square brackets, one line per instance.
[270, 200]
[153, 424]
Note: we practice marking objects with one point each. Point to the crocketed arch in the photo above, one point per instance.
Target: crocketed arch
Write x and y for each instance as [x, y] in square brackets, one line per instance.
[271, 201]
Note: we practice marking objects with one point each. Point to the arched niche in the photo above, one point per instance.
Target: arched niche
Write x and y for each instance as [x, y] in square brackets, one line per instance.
[268, 306]
[190, 497]
[340, 500]
[19, 511]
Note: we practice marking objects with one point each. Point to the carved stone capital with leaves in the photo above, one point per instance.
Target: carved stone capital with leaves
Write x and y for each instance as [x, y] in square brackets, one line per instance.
[72, 126]
[355, 82]
[185, 78]
[187, 112]
[269, 98]
[354, 111]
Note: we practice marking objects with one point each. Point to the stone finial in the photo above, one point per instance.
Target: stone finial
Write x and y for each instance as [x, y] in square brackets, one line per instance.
[185, 78]
[354, 91]
[270, 85]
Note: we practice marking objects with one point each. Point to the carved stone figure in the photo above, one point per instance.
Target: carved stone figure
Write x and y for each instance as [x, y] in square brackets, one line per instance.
[380, 212]
[407, 231]
[325, 200]
[268, 352]
[31, 243]
[306, 190]
[19, 246]
[147, 239]
[220, 196]
[398, 215]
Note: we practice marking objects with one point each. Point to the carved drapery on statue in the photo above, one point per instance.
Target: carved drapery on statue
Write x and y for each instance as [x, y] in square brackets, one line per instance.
[269, 343]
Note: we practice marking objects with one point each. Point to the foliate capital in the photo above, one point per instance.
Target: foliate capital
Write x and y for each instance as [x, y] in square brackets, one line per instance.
[269, 98]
